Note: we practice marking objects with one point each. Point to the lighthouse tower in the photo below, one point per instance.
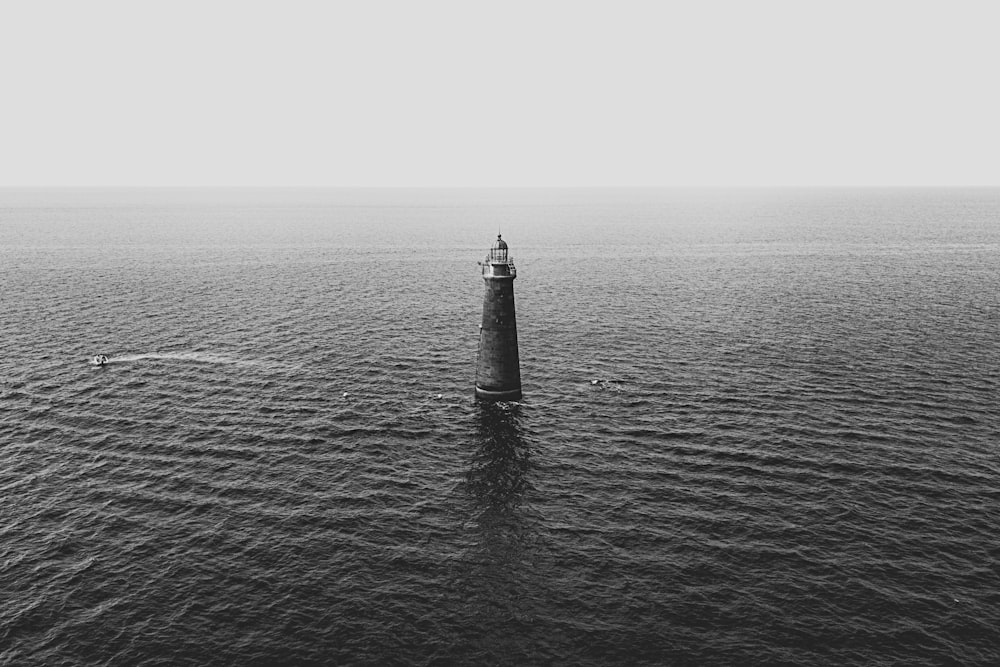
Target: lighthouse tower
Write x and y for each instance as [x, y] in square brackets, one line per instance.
[498, 370]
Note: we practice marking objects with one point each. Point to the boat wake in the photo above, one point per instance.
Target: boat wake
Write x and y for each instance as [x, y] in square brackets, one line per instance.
[196, 357]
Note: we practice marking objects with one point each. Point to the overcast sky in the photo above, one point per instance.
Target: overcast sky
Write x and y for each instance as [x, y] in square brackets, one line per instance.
[466, 93]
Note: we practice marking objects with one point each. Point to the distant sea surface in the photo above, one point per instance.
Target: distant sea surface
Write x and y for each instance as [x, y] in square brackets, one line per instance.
[758, 427]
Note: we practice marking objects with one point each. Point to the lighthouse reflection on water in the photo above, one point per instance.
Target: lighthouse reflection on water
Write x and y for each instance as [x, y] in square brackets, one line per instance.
[496, 577]
[497, 477]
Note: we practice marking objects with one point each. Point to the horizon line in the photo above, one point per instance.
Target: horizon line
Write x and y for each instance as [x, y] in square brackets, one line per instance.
[498, 187]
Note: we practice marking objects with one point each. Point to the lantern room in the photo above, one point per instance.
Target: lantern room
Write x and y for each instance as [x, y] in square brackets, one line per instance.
[498, 262]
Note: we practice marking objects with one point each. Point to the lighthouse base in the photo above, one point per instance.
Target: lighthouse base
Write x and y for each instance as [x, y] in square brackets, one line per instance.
[502, 395]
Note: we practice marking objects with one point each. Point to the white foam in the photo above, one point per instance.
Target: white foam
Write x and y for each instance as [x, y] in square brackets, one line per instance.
[197, 357]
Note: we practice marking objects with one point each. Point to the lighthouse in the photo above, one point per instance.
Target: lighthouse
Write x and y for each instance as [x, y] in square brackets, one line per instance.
[498, 369]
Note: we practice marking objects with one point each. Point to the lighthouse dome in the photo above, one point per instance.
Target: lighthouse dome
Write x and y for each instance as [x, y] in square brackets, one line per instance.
[500, 244]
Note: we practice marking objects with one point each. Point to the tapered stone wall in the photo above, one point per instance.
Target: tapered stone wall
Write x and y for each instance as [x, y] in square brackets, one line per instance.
[498, 372]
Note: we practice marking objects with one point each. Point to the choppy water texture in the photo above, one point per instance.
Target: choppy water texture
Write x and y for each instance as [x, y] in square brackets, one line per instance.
[790, 455]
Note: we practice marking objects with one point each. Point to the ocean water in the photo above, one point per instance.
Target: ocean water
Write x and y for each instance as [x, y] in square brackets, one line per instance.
[758, 427]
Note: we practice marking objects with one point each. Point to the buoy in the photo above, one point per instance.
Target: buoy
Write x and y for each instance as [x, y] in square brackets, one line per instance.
[345, 394]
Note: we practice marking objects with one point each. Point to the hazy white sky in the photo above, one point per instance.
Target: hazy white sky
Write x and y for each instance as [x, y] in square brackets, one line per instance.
[502, 93]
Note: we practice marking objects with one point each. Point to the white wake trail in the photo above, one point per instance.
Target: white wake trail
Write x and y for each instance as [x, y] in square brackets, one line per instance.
[195, 357]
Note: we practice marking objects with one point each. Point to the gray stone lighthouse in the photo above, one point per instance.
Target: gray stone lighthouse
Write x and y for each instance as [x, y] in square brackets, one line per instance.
[498, 369]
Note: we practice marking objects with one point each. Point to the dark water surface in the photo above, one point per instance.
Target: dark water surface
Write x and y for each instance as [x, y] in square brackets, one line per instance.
[796, 462]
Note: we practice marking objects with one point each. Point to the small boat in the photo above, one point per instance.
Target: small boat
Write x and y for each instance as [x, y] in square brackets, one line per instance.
[100, 359]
